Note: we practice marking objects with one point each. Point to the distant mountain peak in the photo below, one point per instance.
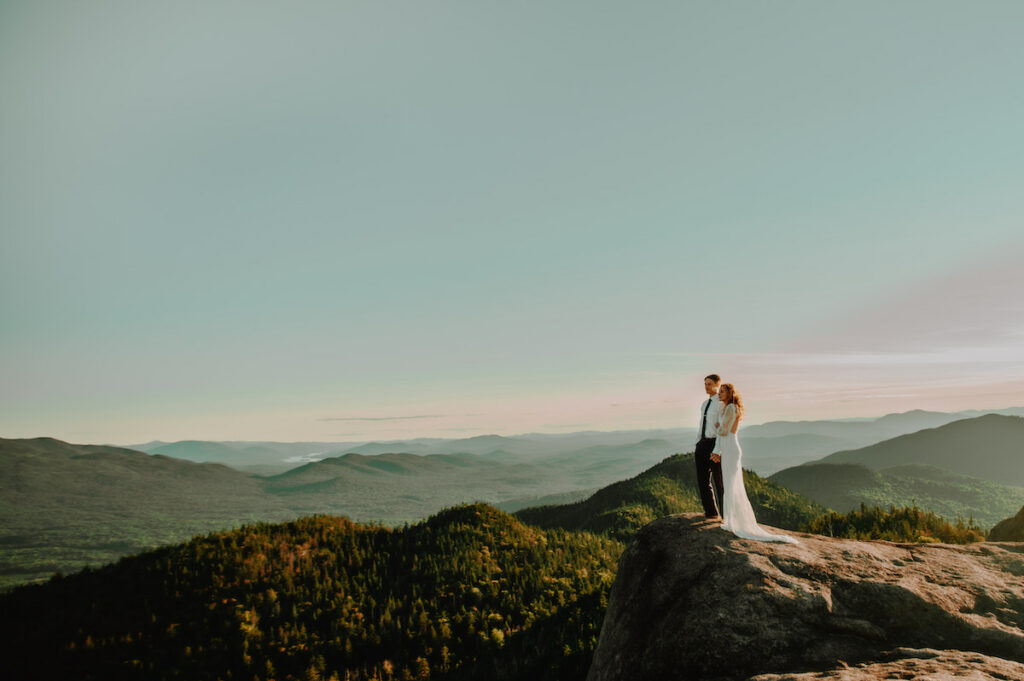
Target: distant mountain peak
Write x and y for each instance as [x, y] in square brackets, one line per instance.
[488, 438]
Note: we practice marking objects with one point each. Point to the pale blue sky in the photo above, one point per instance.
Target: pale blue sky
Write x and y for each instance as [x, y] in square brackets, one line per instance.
[240, 222]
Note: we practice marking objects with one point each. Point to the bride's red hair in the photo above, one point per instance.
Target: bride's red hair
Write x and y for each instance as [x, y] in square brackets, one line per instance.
[733, 397]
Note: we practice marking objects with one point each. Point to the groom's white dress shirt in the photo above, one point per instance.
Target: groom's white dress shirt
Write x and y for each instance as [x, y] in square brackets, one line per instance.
[713, 411]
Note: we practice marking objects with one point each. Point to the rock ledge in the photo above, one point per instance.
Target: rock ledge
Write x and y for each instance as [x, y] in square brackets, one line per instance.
[692, 601]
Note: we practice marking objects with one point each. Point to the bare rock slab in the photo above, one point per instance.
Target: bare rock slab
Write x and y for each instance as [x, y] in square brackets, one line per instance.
[691, 601]
[920, 665]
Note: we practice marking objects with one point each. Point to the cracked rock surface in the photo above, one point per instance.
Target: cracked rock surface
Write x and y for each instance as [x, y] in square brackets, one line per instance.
[923, 665]
[691, 601]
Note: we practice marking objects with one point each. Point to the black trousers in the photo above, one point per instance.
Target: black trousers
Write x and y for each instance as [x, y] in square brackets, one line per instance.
[709, 477]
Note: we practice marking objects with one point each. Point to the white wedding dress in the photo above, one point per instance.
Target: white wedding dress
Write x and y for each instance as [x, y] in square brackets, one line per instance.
[737, 514]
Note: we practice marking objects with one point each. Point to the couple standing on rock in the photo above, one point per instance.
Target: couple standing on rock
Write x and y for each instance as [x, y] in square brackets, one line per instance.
[719, 464]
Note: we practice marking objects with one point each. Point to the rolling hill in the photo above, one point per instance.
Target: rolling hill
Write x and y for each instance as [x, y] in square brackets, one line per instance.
[990, 447]
[845, 486]
[773, 446]
[867, 431]
[402, 487]
[768, 447]
[65, 506]
[768, 454]
[601, 464]
[251, 457]
[399, 487]
[668, 487]
[210, 452]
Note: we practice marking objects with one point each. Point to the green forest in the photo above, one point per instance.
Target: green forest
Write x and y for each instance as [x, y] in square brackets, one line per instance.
[469, 593]
[907, 524]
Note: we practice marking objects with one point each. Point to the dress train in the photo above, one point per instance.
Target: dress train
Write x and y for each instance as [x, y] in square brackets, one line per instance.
[738, 514]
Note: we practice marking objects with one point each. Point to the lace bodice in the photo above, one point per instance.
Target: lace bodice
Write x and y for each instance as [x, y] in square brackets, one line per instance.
[727, 421]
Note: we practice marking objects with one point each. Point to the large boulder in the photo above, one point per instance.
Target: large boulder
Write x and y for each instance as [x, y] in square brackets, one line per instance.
[691, 601]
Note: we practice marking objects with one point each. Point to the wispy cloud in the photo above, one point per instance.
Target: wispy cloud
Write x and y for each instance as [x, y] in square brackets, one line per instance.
[973, 312]
[382, 418]
[567, 425]
[645, 402]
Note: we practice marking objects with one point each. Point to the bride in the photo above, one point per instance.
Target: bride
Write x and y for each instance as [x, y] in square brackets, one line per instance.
[737, 514]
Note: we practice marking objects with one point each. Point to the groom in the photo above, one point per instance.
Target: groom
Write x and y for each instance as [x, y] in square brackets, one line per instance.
[708, 470]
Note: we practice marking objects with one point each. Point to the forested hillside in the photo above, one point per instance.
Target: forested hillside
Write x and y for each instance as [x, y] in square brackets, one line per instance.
[668, 487]
[1009, 529]
[64, 506]
[845, 486]
[470, 593]
[906, 524]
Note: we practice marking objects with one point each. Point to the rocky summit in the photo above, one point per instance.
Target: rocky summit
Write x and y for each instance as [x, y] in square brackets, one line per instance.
[691, 601]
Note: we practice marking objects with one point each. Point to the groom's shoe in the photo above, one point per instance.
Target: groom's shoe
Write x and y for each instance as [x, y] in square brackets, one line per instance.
[713, 517]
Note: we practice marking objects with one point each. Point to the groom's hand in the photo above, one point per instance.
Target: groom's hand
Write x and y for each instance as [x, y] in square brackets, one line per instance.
[717, 458]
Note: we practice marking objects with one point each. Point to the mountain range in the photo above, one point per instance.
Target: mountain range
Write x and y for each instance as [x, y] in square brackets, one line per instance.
[768, 447]
[482, 588]
[968, 468]
[772, 446]
[64, 506]
[469, 593]
[988, 447]
[284, 455]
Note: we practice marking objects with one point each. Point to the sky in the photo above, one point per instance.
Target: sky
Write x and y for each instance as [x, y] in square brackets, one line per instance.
[348, 221]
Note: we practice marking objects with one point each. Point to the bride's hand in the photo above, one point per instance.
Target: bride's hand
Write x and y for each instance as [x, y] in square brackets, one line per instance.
[717, 458]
